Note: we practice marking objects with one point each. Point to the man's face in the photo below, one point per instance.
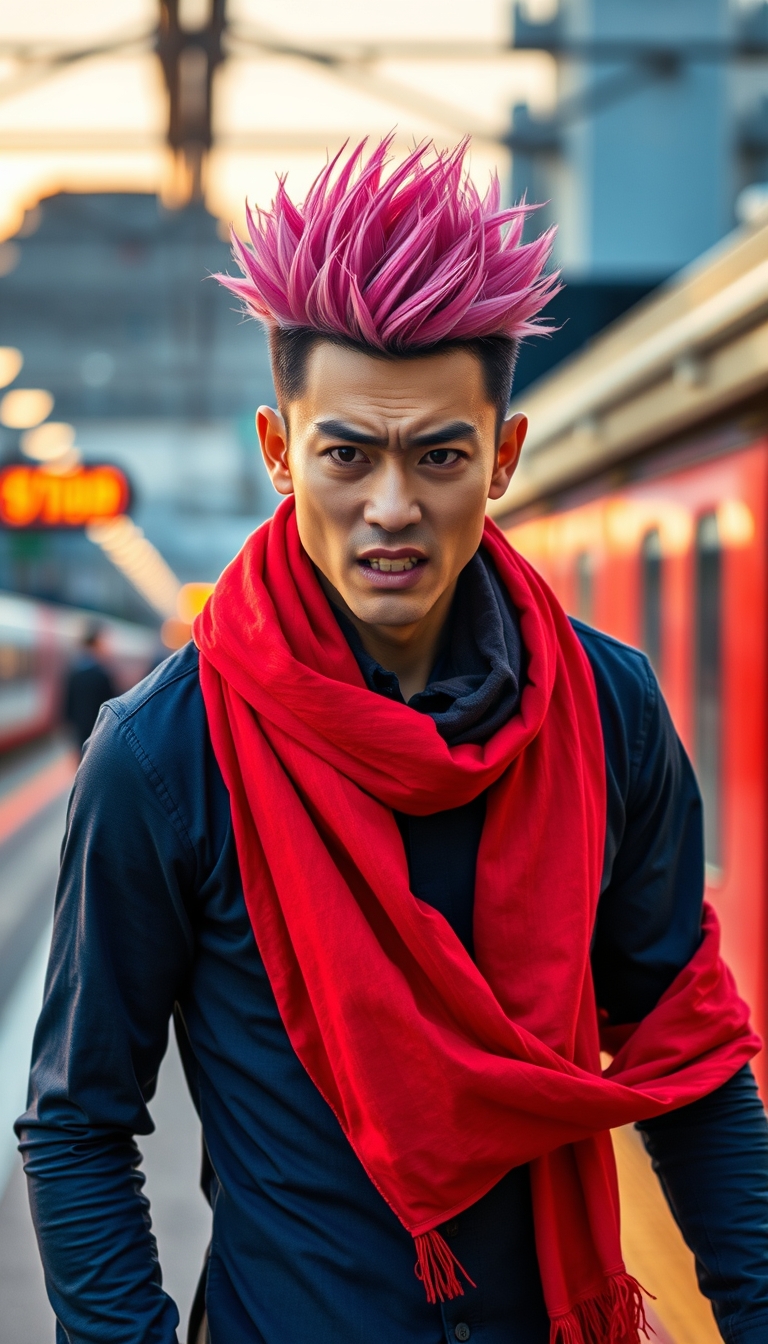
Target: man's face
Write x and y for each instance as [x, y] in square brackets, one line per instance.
[391, 463]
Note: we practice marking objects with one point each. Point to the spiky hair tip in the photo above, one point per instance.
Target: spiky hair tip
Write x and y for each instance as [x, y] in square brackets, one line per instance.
[394, 260]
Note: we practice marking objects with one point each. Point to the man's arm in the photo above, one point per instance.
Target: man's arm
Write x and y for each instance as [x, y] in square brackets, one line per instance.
[712, 1161]
[121, 949]
[711, 1157]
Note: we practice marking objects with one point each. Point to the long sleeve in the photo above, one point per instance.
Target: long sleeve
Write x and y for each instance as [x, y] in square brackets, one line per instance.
[712, 1157]
[712, 1161]
[121, 950]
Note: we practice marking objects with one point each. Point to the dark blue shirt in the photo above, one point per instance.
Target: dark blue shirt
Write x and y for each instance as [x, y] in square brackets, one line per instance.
[151, 920]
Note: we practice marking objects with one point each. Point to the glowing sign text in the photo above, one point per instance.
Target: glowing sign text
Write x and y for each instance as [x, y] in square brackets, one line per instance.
[33, 496]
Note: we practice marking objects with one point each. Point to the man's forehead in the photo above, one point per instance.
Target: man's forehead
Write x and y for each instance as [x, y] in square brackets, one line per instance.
[372, 395]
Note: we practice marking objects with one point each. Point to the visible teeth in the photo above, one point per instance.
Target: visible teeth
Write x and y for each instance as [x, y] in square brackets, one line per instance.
[393, 566]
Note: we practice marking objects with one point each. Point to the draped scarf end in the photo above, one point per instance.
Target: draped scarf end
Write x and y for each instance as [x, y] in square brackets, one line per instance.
[615, 1316]
[436, 1266]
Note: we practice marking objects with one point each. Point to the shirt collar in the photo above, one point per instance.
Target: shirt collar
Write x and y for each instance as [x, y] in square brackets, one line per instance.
[475, 684]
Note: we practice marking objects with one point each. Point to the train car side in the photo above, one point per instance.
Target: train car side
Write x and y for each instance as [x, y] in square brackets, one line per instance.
[676, 564]
[37, 644]
[642, 497]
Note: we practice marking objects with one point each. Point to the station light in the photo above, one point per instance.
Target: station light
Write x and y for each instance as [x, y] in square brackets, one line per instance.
[142, 564]
[175, 633]
[191, 599]
[11, 361]
[194, 15]
[48, 442]
[735, 523]
[25, 407]
[63, 465]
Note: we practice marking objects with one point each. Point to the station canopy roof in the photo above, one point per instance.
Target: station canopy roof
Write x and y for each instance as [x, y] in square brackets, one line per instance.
[84, 101]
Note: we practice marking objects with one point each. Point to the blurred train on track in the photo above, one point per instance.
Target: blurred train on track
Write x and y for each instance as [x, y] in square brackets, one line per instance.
[642, 497]
[38, 641]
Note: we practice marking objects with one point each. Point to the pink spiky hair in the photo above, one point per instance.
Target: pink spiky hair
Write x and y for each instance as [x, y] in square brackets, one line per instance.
[395, 262]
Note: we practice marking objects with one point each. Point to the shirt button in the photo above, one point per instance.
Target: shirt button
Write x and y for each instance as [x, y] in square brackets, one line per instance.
[462, 1331]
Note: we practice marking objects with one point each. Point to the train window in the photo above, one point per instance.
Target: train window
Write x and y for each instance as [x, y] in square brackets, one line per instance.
[585, 571]
[651, 597]
[15, 662]
[708, 682]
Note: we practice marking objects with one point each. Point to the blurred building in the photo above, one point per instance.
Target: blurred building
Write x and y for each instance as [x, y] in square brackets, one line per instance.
[658, 145]
[109, 299]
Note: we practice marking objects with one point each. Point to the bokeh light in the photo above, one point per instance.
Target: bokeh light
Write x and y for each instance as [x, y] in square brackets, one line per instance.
[11, 361]
[48, 442]
[25, 407]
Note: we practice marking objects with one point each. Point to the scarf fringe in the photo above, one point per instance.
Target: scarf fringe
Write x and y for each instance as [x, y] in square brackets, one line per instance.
[617, 1316]
[436, 1266]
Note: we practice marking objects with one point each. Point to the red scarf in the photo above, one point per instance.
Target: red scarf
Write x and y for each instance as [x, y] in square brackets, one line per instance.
[445, 1072]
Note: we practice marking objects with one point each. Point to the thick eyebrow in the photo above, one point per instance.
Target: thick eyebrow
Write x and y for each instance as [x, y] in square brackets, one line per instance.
[336, 429]
[457, 429]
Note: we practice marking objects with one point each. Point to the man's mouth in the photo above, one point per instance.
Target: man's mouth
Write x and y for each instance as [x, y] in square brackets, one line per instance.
[391, 566]
[395, 569]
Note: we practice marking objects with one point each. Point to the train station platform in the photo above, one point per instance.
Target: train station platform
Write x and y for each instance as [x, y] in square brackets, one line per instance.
[33, 793]
[33, 790]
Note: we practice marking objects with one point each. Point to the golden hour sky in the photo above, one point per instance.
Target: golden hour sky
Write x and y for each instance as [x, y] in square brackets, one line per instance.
[99, 124]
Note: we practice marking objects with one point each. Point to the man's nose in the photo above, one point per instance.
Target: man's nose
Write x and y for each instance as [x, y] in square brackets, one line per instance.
[391, 504]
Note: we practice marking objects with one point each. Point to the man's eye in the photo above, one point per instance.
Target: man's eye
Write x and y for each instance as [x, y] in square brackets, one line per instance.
[441, 457]
[346, 455]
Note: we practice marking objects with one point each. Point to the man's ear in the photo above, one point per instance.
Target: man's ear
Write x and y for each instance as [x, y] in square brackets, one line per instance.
[273, 437]
[511, 440]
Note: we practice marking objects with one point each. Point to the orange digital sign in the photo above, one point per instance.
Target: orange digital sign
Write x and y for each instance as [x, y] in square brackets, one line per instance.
[35, 496]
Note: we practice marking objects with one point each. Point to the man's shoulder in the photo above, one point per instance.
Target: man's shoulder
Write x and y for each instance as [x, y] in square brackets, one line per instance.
[619, 665]
[628, 696]
[173, 685]
[161, 720]
[151, 748]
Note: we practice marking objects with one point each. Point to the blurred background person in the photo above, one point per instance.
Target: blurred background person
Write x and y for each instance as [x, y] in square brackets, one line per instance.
[88, 685]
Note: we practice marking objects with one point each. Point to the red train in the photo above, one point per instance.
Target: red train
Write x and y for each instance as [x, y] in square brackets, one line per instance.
[643, 498]
[37, 643]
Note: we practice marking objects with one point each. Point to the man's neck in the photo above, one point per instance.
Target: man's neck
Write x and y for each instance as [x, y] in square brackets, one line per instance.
[410, 651]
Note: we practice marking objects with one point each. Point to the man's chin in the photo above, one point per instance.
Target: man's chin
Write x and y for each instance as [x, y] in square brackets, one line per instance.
[389, 609]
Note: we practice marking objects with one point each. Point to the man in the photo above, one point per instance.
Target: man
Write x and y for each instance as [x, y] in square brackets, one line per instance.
[389, 842]
[88, 685]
